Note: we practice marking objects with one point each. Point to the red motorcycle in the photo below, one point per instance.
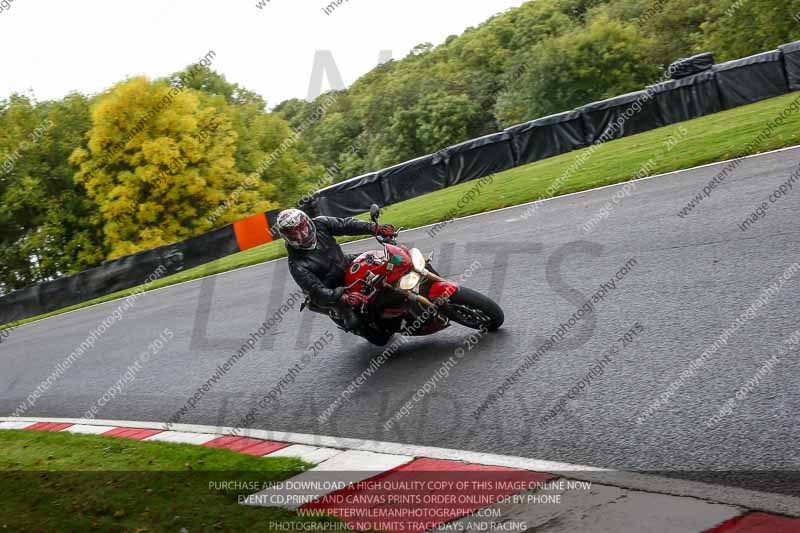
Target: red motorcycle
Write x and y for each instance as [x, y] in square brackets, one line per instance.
[407, 295]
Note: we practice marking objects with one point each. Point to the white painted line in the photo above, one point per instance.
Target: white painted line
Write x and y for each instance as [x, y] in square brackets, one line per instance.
[436, 223]
[88, 429]
[83, 421]
[328, 477]
[182, 437]
[749, 499]
[361, 461]
[309, 454]
[14, 425]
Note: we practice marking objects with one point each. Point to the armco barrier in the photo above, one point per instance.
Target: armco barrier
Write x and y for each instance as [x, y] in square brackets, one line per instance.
[477, 158]
[414, 178]
[548, 136]
[687, 98]
[728, 85]
[731, 84]
[349, 197]
[19, 304]
[754, 78]
[133, 270]
[791, 64]
[689, 66]
[620, 116]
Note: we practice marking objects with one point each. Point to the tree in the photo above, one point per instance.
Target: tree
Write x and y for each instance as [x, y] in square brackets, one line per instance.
[265, 144]
[162, 168]
[672, 26]
[212, 83]
[739, 28]
[604, 59]
[47, 223]
[439, 120]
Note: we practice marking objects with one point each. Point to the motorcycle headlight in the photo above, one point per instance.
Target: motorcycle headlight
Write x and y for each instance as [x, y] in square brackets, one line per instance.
[417, 259]
[410, 281]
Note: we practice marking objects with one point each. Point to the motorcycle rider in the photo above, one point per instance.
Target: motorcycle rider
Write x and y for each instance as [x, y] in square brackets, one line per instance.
[318, 264]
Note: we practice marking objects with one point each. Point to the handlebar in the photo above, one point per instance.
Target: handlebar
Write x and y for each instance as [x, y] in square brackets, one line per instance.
[389, 240]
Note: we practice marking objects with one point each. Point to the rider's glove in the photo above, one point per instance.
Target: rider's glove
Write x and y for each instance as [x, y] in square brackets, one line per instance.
[354, 298]
[385, 230]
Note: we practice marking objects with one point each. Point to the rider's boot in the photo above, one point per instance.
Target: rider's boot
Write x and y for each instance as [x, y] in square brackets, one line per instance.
[350, 319]
[352, 322]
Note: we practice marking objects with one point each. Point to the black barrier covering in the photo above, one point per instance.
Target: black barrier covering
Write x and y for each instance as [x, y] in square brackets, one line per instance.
[350, 197]
[621, 116]
[272, 219]
[737, 83]
[791, 64]
[120, 274]
[308, 204]
[22, 303]
[754, 78]
[687, 98]
[478, 157]
[210, 246]
[688, 66]
[413, 178]
[547, 136]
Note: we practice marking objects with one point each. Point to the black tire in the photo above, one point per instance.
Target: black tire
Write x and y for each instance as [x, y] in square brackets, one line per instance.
[474, 310]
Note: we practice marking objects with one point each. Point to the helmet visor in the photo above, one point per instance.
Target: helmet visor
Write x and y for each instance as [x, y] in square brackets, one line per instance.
[303, 235]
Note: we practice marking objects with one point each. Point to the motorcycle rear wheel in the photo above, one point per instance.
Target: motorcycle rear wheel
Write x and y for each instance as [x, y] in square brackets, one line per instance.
[474, 310]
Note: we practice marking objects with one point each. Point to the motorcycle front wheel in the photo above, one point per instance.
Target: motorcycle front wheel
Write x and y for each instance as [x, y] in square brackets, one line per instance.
[474, 310]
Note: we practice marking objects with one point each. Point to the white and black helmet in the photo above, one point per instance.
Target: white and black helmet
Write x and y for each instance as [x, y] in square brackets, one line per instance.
[297, 229]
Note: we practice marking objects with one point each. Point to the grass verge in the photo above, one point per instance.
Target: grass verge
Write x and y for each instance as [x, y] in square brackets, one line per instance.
[708, 139]
[68, 482]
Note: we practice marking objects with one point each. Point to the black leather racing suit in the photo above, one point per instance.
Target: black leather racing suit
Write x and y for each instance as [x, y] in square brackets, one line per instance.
[319, 272]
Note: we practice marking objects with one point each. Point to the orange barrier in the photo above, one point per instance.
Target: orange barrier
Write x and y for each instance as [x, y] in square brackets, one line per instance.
[253, 231]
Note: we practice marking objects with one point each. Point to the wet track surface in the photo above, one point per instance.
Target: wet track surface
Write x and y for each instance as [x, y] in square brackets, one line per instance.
[690, 279]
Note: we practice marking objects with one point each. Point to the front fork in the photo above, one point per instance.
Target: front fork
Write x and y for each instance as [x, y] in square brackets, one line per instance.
[440, 289]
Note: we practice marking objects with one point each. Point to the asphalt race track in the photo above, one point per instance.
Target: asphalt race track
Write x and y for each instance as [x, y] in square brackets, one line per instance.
[692, 277]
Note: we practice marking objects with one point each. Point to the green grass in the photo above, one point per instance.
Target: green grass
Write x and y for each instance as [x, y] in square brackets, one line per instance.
[67, 482]
[708, 139]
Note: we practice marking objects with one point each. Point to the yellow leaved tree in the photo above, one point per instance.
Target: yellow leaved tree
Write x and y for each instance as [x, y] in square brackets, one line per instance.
[159, 163]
